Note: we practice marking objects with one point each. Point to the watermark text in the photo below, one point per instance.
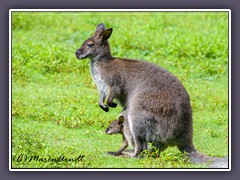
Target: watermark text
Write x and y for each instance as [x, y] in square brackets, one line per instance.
[37, 158]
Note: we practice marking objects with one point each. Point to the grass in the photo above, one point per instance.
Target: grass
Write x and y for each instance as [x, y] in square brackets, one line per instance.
[55, 102]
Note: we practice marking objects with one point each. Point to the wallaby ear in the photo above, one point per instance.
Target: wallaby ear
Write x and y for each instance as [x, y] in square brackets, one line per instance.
[100, 28]
[106, 34]
[120, 120]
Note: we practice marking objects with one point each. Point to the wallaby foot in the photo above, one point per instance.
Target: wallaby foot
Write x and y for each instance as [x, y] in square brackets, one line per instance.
[112, 104]
[115, 153]
[129, 151]
[139, 156]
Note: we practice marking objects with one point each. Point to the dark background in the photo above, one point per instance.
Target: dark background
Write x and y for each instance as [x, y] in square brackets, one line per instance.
[5, 6]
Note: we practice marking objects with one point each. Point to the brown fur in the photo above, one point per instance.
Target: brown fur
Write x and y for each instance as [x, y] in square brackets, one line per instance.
[159, 109]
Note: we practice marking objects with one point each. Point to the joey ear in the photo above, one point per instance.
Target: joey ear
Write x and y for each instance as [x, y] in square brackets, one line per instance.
[106, 34]
[120, 120]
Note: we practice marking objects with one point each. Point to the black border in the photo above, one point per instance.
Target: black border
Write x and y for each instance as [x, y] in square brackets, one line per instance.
[74, 4]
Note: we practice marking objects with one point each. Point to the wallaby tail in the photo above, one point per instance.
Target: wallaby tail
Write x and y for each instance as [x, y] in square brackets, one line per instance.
[199, 158]
[221, 163]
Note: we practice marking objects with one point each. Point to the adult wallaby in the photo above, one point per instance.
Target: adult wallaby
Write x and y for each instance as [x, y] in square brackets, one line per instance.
[120, 126]
[159, 109]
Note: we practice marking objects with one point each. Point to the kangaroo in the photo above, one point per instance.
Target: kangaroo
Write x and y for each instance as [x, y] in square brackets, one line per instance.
[121, 126]
[159, 109]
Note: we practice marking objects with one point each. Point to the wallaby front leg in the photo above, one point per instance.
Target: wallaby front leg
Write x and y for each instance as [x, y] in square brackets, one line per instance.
[101, 102]
[111, 96]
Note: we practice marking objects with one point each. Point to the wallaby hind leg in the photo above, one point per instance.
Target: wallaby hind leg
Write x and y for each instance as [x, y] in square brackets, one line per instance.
[186, 147]
[155, 148]
[137, 126]
[158, 147]
[140, 146]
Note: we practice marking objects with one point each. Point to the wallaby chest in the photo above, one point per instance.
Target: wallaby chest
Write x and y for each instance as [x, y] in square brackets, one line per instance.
[98, 77]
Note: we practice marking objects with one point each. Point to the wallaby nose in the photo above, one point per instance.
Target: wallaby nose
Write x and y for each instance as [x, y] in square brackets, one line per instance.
[106, 131]
[76, 52]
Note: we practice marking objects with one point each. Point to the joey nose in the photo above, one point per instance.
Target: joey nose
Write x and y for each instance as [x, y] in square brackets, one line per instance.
[107, 131]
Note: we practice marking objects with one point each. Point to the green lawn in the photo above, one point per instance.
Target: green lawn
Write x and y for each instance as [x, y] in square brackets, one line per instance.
[55, 102]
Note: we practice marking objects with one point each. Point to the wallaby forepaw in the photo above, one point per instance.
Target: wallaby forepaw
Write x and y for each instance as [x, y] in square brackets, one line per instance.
[112, 104]
[105, 108]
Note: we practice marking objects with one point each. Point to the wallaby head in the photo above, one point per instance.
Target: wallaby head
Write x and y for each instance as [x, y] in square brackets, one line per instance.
[116, 126]
[96, 46]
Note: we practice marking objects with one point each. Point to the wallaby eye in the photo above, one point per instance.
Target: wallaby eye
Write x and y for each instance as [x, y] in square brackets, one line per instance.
[90, 45]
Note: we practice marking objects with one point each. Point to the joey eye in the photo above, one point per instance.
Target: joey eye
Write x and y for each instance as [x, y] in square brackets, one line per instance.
[90, 45]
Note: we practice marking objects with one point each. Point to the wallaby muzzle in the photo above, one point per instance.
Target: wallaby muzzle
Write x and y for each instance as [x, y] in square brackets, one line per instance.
[79, 54]
[108, 132]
